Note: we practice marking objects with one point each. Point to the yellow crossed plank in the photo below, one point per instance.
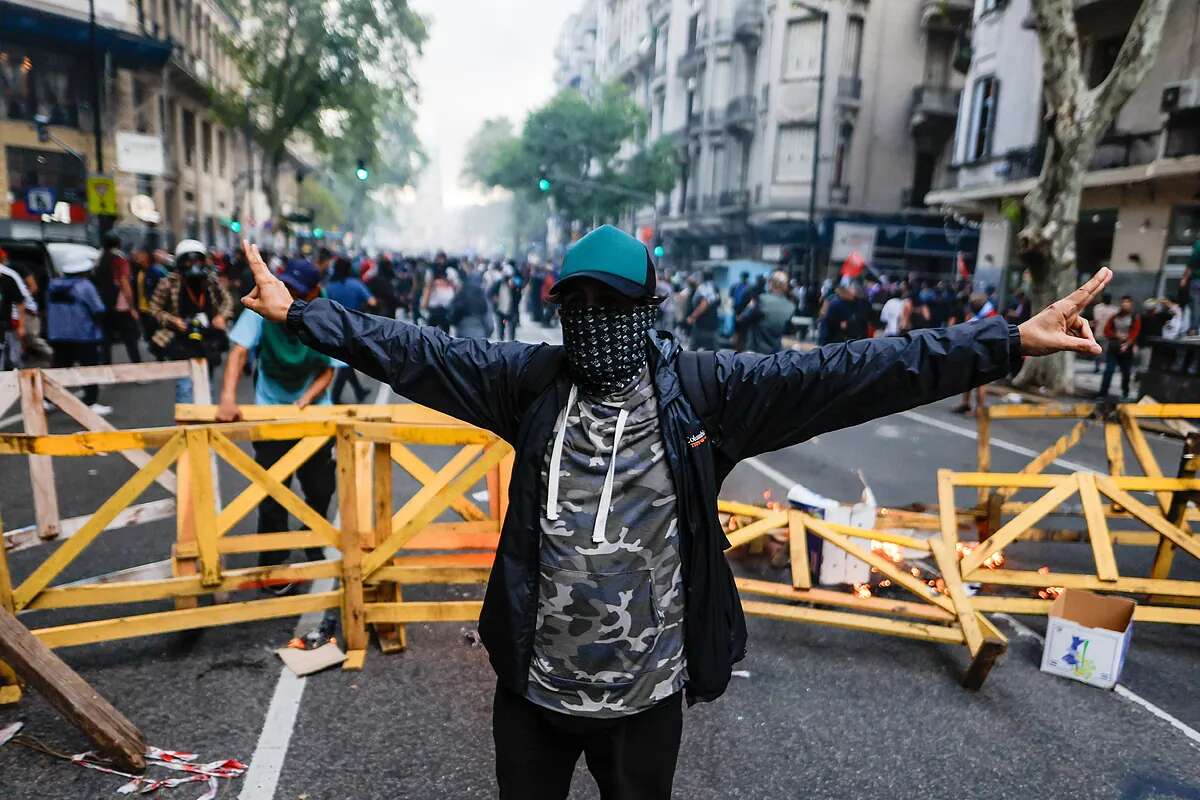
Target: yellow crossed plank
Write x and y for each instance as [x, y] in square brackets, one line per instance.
[1141, 450]
[855, 622]
[946, 511]
[1162, 410]
[884, 565]
[1071, 580]
[749, 533]
[798, 550]
[492, 454]
[1019, 524]
[285, 496]
[435, 485]
[878, 535]
[204, 507]
[425, 611]
[1149, 516]
[1047, 456]
[1042, 411]
[1097, 524]
[253, 494]
[827, 597]
[72, 547]
[948, 566]
[742, 509]
[422, 472]
[1114, 448]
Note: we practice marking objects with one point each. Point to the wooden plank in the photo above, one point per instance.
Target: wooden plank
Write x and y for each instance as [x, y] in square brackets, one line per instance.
[75, 408]
[204, 506]
[6, 588]
[354, 660]
[128, 627]
[1142, 452]
[137, 514]
[182, 565]
[233, 580]
[115, 736]
[425, 611]
[983, 447]
[454, 568]
[1032, 606]
[1042, 411]
[392, 638]
[1070, 580]
[1093, 511]
[400, 413]
[490, 456]
[827, 597]
[1048, 456]
[855, 622]
[877, 535]
[41, 470]
[947, 564]
[1013, 528]
[354, 627]
[422, 472]
[742, 509]
[946, 512]
[761, 527]
[1161, 410]
[1149, 516]
[1114, 448]
[259, 542]
[457, 434]
[285, 496]
[431, 540]
[364, 464]
[798, 551]
[1000, 479]
[884, 565]
[107, 374]
[66, 553]
[249, 498]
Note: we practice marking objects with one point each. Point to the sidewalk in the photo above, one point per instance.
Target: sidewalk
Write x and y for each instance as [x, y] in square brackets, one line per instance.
[533, 333]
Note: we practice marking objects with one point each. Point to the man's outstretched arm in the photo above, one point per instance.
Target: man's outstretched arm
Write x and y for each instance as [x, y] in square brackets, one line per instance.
[784, 398]
[470, 380]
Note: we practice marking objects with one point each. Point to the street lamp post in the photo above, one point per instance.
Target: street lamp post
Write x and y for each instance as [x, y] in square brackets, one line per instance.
[823, 15]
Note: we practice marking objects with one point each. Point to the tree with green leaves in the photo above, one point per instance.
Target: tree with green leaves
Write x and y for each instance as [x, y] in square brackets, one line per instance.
[335, 72]
[590, 150]
[492, 159]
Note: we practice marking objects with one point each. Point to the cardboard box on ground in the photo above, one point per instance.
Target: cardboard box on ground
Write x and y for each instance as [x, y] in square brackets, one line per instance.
[830, 564]
[1087, 637]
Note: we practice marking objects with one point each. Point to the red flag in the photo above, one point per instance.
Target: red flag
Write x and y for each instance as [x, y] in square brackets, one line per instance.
[854, 265]
[962, 268]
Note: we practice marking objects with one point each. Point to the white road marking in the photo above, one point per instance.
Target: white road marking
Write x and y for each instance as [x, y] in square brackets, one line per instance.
[262, 778]
[1123, 692]
[1000, 444]
[9, 420]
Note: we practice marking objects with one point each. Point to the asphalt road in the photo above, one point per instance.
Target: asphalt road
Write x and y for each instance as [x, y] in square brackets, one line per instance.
[823, 713]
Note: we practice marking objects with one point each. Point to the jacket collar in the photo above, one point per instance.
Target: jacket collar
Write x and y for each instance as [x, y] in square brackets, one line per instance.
[663, 351]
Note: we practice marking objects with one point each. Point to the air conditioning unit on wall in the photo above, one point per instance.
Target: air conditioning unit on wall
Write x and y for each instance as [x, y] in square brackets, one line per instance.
[1181, 96]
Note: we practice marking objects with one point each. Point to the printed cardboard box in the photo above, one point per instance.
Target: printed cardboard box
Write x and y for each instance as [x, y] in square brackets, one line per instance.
[833, 565]
[1087, 637]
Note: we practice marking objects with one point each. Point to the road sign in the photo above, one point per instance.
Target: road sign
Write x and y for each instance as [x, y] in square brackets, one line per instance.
[102, 196]
[40, 200]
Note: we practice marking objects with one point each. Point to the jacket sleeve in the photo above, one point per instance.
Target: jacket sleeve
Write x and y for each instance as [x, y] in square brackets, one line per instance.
[472, 380]
[777, 400]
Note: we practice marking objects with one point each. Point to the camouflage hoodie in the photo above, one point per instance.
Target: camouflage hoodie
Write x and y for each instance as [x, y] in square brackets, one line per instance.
[609, 637]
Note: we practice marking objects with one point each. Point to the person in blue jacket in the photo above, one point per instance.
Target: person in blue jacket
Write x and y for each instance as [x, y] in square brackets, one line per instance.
[610, 599]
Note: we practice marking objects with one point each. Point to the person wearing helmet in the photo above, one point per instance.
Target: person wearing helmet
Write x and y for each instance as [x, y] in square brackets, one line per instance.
[189, 304]
[75, 322]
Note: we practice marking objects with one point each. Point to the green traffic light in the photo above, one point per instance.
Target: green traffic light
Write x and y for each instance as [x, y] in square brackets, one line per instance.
[318, 233]
[544, 185]
[235, 226]
[659, 251]
[362, 174]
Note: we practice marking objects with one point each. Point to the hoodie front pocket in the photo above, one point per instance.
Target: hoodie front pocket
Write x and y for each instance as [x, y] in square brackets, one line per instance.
[595, 628]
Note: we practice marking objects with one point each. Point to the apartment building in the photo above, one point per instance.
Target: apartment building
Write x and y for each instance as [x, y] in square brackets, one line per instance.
[1140, 210]
[742, 89]
[179, 170]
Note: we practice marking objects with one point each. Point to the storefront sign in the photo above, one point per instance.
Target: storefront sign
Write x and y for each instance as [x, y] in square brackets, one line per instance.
[140, 153]
[849, 237]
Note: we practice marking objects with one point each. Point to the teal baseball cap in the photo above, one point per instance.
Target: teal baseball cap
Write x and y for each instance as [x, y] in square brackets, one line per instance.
[612, 257]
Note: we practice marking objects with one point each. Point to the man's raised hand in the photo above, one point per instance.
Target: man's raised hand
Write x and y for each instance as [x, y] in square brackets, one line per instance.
[270, 297]
[1060, 327]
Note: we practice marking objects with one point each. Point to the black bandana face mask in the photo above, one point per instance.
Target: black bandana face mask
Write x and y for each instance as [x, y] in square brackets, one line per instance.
[606, 348]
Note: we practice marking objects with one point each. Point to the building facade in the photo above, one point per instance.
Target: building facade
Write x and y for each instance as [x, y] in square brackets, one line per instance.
[742, 89]
[1140, 211]
[179, 170]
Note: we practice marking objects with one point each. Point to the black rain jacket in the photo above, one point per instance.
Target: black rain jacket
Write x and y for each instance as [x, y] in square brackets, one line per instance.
[766, 402]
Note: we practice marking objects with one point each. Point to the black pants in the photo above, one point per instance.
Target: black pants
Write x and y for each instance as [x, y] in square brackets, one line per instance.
[86, 354]
[121, 326]
[318, 479]
[1114, 359]
[506, 327]
[347, 375]
[631, 758]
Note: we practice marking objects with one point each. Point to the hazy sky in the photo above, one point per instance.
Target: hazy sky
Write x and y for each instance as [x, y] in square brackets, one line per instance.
[483, 59]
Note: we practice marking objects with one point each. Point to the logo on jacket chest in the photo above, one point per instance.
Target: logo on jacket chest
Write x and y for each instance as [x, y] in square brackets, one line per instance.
[697, 439]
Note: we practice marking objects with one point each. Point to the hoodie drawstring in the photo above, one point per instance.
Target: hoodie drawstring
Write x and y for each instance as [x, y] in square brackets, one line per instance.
[556, 458]
[606, 494]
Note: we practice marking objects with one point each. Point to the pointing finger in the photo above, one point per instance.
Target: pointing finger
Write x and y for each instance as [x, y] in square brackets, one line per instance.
[1083, 296]
[254, 258]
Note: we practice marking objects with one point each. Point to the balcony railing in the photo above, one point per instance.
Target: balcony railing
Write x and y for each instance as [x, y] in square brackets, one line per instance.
[849, 88]
[748, 22]
[741, 114]
[733, 202]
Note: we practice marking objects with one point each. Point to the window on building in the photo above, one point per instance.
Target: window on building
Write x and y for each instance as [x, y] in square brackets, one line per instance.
[660, 48]
[841, 154]
[852, 51]
[206, 146]
[794, 153]
[145, 185]
[982, 121]
[693, 32]
[718, 169]
[60, 171]
[802, 49]
[34, 81]
[221, 152]
[189, 137]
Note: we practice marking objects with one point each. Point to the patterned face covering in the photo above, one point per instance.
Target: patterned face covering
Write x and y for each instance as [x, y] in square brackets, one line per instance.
[606, 348]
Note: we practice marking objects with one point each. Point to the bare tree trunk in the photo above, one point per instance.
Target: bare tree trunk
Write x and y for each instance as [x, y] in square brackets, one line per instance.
[1077, 118]
[271, 164]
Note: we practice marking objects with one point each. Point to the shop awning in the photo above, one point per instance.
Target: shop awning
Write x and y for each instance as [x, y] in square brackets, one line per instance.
[20, 23]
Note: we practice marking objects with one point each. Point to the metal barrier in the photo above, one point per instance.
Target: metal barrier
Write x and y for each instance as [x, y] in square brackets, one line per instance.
[1161, 593]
